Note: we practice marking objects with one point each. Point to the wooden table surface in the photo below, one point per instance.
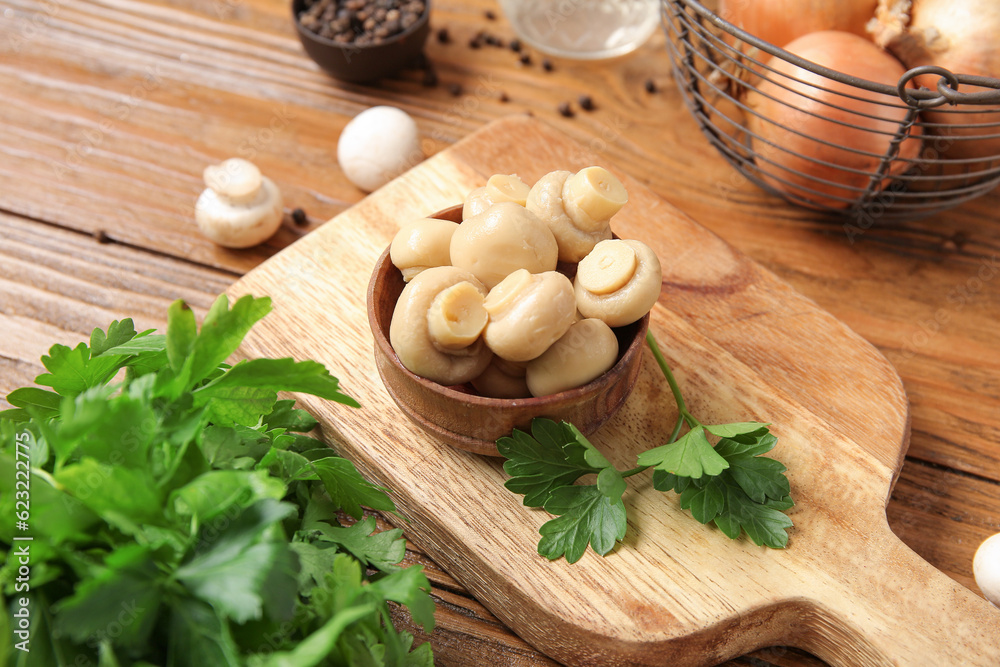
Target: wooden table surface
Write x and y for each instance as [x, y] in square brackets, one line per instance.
[111, 109]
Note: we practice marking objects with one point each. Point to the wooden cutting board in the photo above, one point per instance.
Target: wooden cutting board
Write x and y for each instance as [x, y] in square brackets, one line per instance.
[744, 346]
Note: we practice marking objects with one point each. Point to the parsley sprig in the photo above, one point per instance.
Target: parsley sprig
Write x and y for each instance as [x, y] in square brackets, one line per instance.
[729, 484]
[180, 514]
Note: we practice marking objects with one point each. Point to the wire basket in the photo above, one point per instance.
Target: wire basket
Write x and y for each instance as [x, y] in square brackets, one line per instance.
[941, 148]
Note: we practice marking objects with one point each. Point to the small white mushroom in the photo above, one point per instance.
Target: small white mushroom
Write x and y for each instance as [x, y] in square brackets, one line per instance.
[421, 244]
[577, 208]
[585, 352]
[378, 145]
[505, 238]
[240, 207]
[986, 568]
[528, 312]
[502, 379]
[618, 281]
[436, 326]
[499, 188]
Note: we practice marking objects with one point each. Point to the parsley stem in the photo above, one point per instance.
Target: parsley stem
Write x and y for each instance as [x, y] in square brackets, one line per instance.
[674, 388]
[635, 471]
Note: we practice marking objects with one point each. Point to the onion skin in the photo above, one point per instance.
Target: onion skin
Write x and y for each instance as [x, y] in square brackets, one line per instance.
[788, 157]
[961, 36]
[781, 21]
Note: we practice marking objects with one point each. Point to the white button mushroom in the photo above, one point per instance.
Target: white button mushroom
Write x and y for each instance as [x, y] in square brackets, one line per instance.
[528, 312]
[499, 188]
[618, 281]
[577, 208]
[378, 145]
[421, 244]
[585, 352]
[505, 238]
[986, 568]
[240, 207]
[502, 379]
[436, 326]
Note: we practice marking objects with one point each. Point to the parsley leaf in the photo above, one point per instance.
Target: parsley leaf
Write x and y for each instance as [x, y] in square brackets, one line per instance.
[544, 466]
[729, 484]
[164, 498]
[585, 517]
[691, 455]
[543, 461]
[348, 489]
[377, 549]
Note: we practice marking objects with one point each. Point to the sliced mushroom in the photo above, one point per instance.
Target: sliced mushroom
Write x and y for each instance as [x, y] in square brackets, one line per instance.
[436, 326]
[240, 207]
[505, 238]
[577, 208]
[618, 281]
[585, 352]
[499, 188]
[421, 244]
[502, 379]
[528, 312]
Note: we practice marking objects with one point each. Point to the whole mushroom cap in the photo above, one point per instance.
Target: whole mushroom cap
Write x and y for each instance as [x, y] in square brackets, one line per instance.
[420, 244]
[577, 208]
[378, 145]
[986, 568]
[618, 282]
[586, 351]
[240, 207]
[410, 328]
[528, 313]
[505, 238]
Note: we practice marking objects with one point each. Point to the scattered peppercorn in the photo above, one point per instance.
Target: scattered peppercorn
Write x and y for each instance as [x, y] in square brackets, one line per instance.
[586, 102]
[101, 236]
[525, 59]
[650, 86]
[515, 45]
[490, 15]
[455, 89]
[503, 97]
[443, 36]
[547, 65]
[299, 216]
[360, 22]
[565, 110]
[476, 42]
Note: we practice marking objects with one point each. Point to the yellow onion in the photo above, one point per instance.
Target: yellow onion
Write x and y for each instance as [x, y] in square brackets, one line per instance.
[799, 109]
[781, 21]
[961, 36]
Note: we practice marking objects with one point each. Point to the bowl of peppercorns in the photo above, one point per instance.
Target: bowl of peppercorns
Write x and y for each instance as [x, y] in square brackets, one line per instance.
[362, 40]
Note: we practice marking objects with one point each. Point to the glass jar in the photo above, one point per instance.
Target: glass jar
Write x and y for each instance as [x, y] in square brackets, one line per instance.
[583, 29]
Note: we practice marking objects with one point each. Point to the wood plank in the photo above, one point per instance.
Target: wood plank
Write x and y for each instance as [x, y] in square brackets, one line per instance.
[57, 285]
[114, 109]
[846, 587]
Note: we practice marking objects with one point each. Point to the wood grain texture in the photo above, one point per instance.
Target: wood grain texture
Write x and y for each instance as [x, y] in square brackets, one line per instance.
[846, 588]
[112, 109]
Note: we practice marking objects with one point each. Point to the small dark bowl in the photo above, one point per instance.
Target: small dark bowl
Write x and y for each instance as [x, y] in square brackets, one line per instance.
[474, 423]
[359, 64]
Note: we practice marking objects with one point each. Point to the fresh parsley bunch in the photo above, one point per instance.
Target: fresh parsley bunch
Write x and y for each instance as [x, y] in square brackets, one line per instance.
[180, 515]
[729, 484]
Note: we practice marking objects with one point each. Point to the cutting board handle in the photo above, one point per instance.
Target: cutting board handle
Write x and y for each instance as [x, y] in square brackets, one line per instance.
[892, 607]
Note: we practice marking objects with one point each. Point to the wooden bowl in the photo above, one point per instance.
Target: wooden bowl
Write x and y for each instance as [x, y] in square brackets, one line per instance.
[360, 64]
[465, 420]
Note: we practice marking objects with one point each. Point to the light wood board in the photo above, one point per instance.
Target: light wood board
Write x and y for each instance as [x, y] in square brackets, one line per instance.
[744, 346]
